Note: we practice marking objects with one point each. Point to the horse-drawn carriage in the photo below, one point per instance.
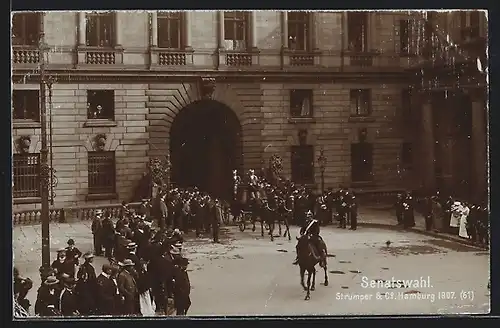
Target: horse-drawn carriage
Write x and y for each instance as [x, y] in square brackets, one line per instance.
[245, 206]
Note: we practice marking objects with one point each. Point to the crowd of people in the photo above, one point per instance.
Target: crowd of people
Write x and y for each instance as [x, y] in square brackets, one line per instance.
[146, 273]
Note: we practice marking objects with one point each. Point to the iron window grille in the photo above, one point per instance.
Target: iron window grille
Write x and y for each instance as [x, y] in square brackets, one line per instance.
[100, 30]
[102, 173]
[298, 31]
[301, 103]
[170, 30]
[236, 30]
[303, 164]
[357, 31]
[26, 175]
[101, 104]
[26, 105]
[25, 29]
[360, 102]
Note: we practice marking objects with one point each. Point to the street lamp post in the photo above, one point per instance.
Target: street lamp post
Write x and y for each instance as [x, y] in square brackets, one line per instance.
[45, 171]
[322, 165]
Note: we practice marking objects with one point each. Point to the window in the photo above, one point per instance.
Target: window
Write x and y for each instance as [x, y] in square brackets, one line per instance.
[360, 102]
[26, 105]
[236, 30]
[303, 164]
[101, 172]
[26, 175]
[406, 155]
[406, 103]
[101, 104]
[26, 29]
[361, 162]
[301, 101]
[404, 37]
[357, 30]
[298, 31]
[169, 30]
[100, 30]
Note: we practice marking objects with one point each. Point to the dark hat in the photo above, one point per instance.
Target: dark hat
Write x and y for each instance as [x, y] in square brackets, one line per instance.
[88, 255]
[71, 242]
[51, 280]
[98, 212]
[183, 261]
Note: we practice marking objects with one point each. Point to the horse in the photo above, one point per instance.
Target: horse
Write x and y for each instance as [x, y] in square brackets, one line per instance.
[285, 213]
[307, 260]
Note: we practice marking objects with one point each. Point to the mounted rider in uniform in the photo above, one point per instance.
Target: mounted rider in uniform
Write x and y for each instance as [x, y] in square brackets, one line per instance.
[310, 232]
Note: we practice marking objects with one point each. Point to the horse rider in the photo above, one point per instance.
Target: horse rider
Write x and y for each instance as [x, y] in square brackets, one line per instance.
[311, 231]
[254, 182]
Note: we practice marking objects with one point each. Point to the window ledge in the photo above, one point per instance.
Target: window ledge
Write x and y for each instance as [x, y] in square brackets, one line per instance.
[361, 119]
[26, 124]
[109, 196]
[301, 120]
[27, 200]
[99, 123]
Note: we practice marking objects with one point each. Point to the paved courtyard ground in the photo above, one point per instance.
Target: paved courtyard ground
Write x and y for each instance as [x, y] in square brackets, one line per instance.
[250, 275]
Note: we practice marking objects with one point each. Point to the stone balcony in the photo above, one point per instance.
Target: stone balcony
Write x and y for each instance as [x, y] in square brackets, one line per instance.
[25, 56]
[99, 57]
[176, 59]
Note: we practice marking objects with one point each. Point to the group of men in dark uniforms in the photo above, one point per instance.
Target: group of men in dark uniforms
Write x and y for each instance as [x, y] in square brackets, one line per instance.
[145, 267]
[340, 205]
[405, 210]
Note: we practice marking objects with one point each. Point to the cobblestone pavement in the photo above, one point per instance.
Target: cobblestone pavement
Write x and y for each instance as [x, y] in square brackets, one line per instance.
[250, 275]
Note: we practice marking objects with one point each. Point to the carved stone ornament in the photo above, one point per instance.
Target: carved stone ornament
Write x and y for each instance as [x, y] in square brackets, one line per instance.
[24, 144]
[302, 137]
[100, 142]
[207, 88]
[362, 134]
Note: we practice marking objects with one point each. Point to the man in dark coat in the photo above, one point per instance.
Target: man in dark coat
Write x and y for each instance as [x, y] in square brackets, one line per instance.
[47, 300]
[132, 255]
[97, 232]
[73, 253]
[108, 296]
[399, 208]
[127, 285]
[215, 218]
[21, 288]
[108, 237]
[182, 287]
[408, 211]
[68, 302]
[87, 286]
[63, 265]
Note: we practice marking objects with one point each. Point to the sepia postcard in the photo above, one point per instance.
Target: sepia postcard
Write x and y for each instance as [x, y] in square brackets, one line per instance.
[250, 163]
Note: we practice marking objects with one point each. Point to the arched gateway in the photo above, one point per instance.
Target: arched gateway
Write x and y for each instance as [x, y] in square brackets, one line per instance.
[205, 146]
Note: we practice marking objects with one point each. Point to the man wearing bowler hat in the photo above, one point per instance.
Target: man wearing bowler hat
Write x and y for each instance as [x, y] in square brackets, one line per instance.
[108, 296]
[97, 232]
[127, 285]
[47, 300]
[68, 302]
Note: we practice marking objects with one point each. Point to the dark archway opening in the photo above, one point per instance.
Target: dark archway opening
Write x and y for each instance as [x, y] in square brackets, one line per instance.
[205, 146]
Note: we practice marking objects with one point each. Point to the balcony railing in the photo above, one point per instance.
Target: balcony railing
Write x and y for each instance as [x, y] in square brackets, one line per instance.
[301, 60]
[25, 55]
[171, 59]
[62, 215]
[100, 57]
[238, 59]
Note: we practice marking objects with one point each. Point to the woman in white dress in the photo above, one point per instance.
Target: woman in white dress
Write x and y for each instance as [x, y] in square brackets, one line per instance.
[462, 232]
[456, 212]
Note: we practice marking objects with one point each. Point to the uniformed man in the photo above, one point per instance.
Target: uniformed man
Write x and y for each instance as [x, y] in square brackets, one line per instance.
[303, 230]
[399, 208]
[108, 295]
[343, 211]
[68, 301]
[408, 211]
[108, 237]
[132, 255]
[215, 218]
[182, 287]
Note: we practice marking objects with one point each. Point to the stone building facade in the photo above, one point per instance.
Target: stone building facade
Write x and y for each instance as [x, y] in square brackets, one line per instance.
[300, 85]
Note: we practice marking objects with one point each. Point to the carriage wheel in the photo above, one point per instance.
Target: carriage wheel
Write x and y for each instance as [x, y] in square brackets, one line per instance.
[242, 224]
